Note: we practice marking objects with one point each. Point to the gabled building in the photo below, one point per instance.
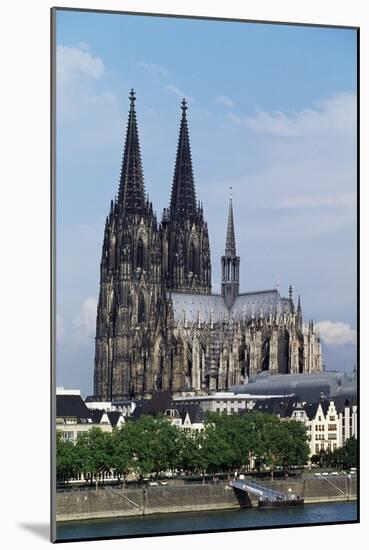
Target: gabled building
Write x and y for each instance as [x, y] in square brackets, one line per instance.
[73, 417]
[189, 417]
[329, 424]
[159, 326]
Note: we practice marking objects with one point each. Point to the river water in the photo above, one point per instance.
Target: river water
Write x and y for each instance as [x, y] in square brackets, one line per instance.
[188, 522]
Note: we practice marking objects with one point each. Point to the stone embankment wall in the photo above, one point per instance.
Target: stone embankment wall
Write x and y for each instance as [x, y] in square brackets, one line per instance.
[77, 505]
[314, 489]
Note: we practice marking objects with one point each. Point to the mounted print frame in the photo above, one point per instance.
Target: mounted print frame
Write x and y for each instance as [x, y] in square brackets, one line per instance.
[205, 281]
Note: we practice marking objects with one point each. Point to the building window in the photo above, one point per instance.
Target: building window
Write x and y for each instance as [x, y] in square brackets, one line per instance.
[192, 259]
[141, 308]
[332, 418]
[68, 436]
[140, 253]
[332, 427]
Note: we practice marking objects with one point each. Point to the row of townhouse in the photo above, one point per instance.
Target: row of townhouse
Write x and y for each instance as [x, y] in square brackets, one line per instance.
[75, 416]
[330, 423]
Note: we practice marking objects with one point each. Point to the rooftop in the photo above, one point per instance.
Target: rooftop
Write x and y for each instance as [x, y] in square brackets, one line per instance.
[211, 307]
[72, 406]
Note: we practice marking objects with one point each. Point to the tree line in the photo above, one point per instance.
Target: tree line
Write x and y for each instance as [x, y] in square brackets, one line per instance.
[152, 445]
[344, 457]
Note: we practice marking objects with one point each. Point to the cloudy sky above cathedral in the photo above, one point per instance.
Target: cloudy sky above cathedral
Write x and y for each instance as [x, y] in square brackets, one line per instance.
[272, 113]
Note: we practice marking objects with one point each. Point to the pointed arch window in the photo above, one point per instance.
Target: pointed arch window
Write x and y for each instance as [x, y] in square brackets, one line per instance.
[140, 254]
[192, 259]
[141, 313]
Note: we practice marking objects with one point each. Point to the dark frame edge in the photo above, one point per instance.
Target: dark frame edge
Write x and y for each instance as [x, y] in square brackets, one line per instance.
[204, 17]
[52, 274]
[53, 12]
[358, 262]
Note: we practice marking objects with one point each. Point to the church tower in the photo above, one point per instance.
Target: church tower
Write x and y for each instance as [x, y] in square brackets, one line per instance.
[186, 250]
[230, 263]
[130, 281]
[158, 326]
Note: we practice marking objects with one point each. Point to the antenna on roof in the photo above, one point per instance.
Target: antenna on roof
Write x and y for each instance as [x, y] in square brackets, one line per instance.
[278, 282]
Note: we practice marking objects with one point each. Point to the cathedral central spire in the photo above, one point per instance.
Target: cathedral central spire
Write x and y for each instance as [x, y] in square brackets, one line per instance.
[230, 262]
[230, 248]
[131, 195]
[183, 197]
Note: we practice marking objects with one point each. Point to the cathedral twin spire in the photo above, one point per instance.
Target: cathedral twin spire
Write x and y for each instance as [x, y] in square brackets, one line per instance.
[183, 196]
[131, 195]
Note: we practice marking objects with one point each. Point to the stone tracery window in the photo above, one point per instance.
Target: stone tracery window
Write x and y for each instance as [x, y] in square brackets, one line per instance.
[140, 253]
[192, 259]
[141, 314]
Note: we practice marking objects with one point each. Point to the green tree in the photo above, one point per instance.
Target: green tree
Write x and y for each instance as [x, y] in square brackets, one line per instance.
[192, 457]
[67, 465]
[94, 453]
[293, 448]
[122, 455]
[216, 450]
[350, 451]
[166, 446]
[155, 445]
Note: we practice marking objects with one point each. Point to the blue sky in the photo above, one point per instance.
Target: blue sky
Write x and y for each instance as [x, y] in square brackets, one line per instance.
[272, 113]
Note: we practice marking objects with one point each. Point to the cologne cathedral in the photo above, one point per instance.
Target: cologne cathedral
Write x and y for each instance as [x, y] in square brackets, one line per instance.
[159, 326]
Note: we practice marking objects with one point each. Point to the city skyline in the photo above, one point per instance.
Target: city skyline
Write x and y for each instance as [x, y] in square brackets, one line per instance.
[304, 233]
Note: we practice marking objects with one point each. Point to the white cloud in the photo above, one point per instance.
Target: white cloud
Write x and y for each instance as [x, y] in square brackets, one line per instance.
[153, 68]
[85, 322]
[76, 61]
[336, 113]
[336, 334]
[179, 93]
[224, 100]
[81, 92]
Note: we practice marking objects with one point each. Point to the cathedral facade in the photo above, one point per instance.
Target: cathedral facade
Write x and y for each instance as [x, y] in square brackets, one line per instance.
[158, 324]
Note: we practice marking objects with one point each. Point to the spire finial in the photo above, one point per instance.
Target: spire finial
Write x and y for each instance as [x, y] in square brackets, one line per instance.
[230, 193]
[184, 106]
[290, 290]
[132, 97]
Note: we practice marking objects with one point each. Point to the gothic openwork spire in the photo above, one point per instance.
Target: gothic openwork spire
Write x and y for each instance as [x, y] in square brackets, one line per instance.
[230, 248]
[230, 262]
[183, 197]
[131, 196]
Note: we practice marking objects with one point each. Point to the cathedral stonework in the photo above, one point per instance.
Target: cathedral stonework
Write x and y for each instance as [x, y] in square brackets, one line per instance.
[158, 324]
